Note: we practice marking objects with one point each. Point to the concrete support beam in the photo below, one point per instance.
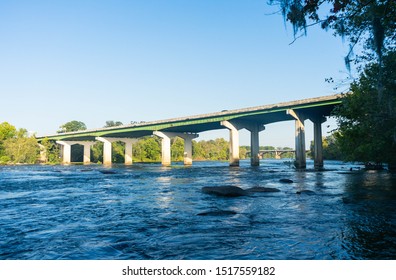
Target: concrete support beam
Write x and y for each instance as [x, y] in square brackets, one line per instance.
[234, 142]
[166, 146]
[87, 151]
[107, 148]
[318, 145]
[255, 129]
[66, 151]
[301, 161]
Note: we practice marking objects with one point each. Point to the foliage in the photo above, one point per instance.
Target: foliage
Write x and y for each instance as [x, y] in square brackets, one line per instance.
[51, 151]
[113, 123]
[370, 23]
[367, 119]
[72, 126]
[7, 131]
[217, 149]
[331, 148]
[147, 149]
[20, 148]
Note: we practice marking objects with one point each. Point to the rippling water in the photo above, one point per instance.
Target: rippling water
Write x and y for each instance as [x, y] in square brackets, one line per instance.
[146, 211]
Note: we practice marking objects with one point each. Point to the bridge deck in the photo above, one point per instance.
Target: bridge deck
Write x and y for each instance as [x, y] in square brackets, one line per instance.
[320, 106]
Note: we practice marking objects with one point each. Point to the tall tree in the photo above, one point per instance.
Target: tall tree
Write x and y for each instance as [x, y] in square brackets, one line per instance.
[368, 23]
[21, 148]
[113, 123]
[367, 125]
[72, 126]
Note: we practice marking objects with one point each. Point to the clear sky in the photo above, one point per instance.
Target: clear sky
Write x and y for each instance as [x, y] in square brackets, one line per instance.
[144, 60]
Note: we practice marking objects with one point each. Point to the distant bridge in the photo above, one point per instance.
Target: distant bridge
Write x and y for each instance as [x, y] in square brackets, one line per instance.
[277, 153]
[253, 119]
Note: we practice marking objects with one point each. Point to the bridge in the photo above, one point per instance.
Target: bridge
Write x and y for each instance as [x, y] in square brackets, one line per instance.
[253, 119]
[277, 153]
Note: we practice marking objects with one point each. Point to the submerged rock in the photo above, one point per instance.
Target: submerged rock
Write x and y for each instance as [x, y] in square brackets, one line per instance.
[228, 191]
[287, 181]
[262, 189]
[305, 192]
[107, 172]
[218, 213]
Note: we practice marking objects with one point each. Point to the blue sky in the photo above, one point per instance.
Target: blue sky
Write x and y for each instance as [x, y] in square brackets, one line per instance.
[144, 60]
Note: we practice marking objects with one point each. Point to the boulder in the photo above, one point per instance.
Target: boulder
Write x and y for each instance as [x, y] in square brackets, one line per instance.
[218, 213]
[228, 191]
[287, 181]
[262, 189]
[305, 192]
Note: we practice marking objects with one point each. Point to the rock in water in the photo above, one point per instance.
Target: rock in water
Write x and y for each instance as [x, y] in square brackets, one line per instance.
[218, 213]
[305, 192]
[288, 181]
[107, 172]
[228, 191]
[262, 189]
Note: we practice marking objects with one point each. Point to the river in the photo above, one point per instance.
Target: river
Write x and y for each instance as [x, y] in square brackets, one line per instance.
[147, 212]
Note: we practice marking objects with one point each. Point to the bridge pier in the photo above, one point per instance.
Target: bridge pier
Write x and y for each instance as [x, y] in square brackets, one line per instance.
[234, 142]
[107, 148]
[254, 129]
[66, 150]
[166, 146]
[318, 145]
[301, 160]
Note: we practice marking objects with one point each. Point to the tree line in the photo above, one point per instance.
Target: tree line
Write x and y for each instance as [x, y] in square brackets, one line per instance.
[16, 146]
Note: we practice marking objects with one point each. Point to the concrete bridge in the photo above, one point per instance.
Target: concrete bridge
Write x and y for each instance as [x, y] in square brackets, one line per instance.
[277, 153]
[253, 119]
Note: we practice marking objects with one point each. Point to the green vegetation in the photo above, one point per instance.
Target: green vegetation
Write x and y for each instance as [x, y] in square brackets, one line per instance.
[16, 146]
[367, 119]
[72, 126]
[367, 122]
[331, 148]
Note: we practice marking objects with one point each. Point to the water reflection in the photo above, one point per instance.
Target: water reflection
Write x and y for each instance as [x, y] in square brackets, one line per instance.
[370, 199]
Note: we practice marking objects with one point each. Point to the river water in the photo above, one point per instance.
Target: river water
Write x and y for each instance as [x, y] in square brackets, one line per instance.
[146, 211]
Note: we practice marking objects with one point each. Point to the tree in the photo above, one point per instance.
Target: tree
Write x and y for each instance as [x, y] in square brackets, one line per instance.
[368, 23]
[21, 148]
[331, 148]
[7, 131]
[367, 124]
[72, 126]
[113, 123]
[51, 151]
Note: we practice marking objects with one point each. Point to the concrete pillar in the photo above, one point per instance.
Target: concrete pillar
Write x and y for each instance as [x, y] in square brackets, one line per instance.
[318, 145]
[107, 160]
[254, 129]
[87, 151]
[301, 161]
[129, 150]
[234, 143]
[107, 148]
[66, 151]
[166, 146]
